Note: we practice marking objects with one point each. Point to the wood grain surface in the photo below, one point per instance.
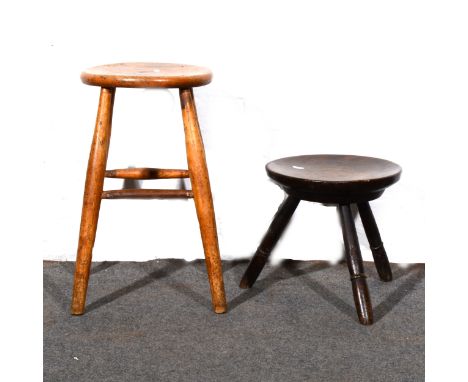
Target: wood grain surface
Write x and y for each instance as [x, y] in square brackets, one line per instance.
[147, 75]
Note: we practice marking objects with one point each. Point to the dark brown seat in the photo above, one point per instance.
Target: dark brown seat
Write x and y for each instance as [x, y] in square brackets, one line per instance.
[147, 75]
[340, 180]
[334, 178]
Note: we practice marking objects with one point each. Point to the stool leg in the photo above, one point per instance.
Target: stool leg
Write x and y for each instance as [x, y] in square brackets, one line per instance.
[356, 268]
[376, 245]
[203, 200]
[277, 227]
[92, 198]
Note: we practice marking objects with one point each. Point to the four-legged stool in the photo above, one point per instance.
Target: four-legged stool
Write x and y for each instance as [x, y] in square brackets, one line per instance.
[332, 179]
[147, 75]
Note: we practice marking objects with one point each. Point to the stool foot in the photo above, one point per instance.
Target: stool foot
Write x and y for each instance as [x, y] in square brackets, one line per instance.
[362, 299]
[200, 181]
[373, 236]
[269, 241]
[92, 199]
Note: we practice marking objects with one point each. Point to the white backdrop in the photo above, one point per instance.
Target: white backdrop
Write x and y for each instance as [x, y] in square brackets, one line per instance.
[327, 77]
[387, 79]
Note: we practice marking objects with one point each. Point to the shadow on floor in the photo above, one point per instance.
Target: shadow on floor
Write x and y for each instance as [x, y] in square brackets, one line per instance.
[172, 267]
[286, 270]
[414, 273]
[273, 277]
[64, 299]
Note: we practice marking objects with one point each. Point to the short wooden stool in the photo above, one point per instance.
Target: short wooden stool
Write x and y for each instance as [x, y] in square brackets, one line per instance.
[147, 75]
[339, 180]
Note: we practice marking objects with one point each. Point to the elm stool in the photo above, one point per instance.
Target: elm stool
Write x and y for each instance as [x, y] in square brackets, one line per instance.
[339, 180]
[147, 75]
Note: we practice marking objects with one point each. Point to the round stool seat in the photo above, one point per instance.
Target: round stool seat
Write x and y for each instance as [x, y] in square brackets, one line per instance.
[146, 75]
[340, 179]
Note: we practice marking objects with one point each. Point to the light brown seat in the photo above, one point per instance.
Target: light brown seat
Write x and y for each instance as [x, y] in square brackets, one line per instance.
[147, 75]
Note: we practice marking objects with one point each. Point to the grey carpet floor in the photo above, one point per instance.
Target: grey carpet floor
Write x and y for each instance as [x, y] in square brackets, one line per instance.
[152, 321]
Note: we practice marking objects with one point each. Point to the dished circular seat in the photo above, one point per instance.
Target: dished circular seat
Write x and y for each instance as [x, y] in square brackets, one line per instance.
[147, 75]
[334, 178]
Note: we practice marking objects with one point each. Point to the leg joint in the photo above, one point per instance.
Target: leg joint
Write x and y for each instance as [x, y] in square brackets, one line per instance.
[377, 247]
[262, 253]
[358, 276]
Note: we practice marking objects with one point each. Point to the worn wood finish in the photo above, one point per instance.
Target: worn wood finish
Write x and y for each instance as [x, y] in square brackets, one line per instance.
[141, 193]
[269, 241]
[92, 198]
[356, 268]
[373, 235]
[147, 75]
[335, 179]
[147, 173]
[203, 199]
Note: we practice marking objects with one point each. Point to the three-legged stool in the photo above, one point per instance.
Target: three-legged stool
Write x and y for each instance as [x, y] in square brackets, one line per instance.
[147, 75]
[332, 179]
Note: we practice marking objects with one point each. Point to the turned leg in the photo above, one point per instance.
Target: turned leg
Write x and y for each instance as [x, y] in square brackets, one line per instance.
[376, 245]
[277, 227]
[203, 200]
[92, 198]
[356, 268]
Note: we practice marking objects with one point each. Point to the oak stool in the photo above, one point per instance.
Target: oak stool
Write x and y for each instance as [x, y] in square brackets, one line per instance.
[340, 180]
[147, 75]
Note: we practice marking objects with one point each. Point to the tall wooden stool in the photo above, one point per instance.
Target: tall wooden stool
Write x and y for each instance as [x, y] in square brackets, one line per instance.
[147, 75]
[339, 180]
